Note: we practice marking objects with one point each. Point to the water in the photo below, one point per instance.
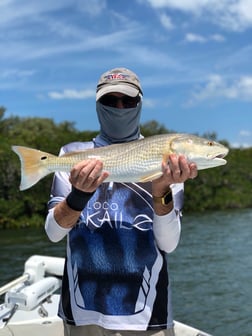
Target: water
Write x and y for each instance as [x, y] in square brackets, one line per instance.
[211, 269]
[18, 245]
[212, 273]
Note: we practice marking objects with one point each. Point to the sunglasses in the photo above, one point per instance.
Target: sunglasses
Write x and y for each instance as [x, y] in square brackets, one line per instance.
[127, 101]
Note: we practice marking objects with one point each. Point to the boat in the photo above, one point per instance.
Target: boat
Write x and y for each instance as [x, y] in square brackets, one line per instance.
[30, 302]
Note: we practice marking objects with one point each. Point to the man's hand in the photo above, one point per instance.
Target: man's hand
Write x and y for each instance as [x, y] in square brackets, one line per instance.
[177, 170]
[87, 175]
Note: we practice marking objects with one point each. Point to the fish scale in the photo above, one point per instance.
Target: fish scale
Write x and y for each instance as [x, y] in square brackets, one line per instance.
[136, 161]
[139, 156]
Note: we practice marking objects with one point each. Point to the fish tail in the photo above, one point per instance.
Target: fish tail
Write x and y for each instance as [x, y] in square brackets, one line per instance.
[33, 165]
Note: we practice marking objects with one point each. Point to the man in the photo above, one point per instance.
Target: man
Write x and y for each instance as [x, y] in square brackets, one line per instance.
[118, 234]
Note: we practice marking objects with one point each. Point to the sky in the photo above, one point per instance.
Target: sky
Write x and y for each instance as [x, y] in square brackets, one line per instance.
[193, 58]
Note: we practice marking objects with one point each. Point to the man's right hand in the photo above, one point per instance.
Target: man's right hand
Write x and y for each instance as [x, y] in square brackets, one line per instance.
[88, 175]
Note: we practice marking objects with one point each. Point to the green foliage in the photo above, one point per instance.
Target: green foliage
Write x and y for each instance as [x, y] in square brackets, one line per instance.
[21, 209]
[226, 187]
[153, 127]
[219, 188]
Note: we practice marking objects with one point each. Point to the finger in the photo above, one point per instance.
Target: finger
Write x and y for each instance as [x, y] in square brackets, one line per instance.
[193, 170]
[93, 184]
[184, 168]
[80, 166]
[85, 173]
[175, 166]
[100, 180]
[90, 172]
[166, 168]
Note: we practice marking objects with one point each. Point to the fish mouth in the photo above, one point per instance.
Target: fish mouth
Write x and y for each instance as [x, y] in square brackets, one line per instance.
[220, 156]
[218, 159]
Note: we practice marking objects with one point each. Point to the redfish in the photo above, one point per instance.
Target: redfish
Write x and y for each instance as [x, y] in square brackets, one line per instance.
[136, 161]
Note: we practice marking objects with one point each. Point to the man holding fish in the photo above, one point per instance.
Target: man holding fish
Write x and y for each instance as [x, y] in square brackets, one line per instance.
[116, 278]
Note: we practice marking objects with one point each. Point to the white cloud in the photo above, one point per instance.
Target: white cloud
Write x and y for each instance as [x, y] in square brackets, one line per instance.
[93, 8]
[32, 49]
[217, 38]
[166, 21]
[149, 103]
[235, 15]
[183, 5]
[217, 86]
[13, 11]
[195, 38]
[241, 145]
[245, 133]
[16, 73]
[244, 87]
[244, 139]
[72, 94]
[13, 78]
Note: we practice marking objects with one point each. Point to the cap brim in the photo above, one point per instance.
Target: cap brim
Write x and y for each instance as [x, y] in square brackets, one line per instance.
[122, 88]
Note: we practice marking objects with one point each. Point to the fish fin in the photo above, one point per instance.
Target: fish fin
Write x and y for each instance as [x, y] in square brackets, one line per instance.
[150, 177]
[33, 165]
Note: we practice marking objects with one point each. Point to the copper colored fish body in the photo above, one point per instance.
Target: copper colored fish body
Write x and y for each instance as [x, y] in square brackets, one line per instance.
[136, 161]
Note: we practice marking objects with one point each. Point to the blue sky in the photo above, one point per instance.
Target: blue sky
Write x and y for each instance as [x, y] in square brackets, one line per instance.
[193, 58]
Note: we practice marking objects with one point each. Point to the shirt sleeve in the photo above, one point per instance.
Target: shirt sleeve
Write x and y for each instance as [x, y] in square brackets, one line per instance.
[167, 228]
[60, 189]
[167, 231]
[54, 231]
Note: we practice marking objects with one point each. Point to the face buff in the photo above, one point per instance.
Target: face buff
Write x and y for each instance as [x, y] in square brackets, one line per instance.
[118, 125]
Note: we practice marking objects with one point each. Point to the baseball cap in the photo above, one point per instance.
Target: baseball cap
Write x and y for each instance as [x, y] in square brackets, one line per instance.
[118, 80]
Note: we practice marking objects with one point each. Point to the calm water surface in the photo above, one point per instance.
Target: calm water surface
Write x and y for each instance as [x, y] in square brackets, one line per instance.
[211, 269]
[212, 273]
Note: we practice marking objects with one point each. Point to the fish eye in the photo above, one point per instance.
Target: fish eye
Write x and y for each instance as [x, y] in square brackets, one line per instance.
[210, 143]
[43, 158]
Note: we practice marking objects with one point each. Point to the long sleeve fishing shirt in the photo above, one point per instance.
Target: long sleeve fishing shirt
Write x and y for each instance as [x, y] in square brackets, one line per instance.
[116, 272]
